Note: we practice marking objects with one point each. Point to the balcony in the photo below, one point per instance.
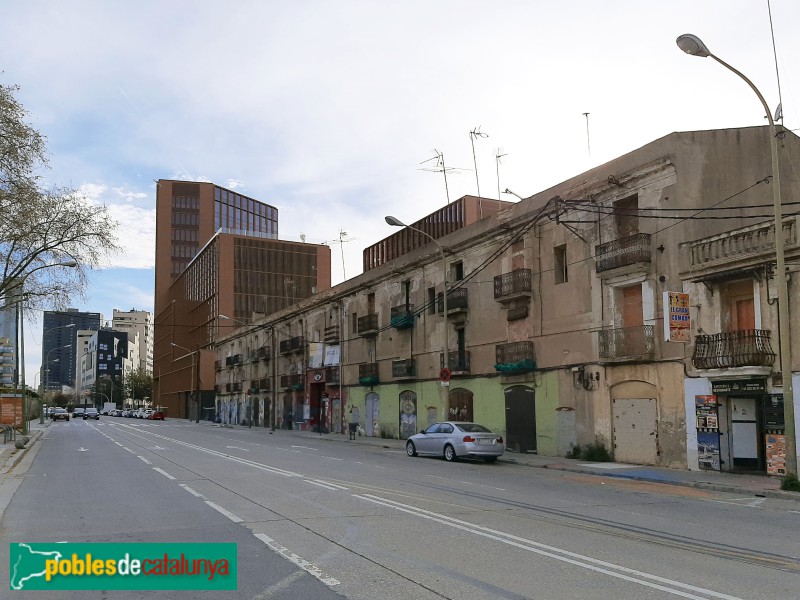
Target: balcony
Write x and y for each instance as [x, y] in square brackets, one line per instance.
[402, 317]
[458, 362]
[629, 343]
[456, 302]
[232, 361]
[404, 369]
[285, 347]
[262, 353]
[217, 364]
[513, 286]
[292, 382]
[260, 385]
[368, 374]
[631, 250]
[368, 325]
[217, 389]
[292, 345]
[332, 375]
[514, 358]
[331, 334]
[747, 348]
[742, 248]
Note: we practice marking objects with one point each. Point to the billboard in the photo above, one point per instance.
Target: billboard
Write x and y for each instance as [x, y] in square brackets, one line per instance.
[677, 322]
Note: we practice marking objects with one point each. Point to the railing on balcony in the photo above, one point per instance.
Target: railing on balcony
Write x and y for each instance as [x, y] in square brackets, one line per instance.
[458, 362]
[368, 324]
[627, 342]
[513, 285]
[746, 348]
[332, 375]
[260, 385]
[285, 346]
[368, 374]
[262, 353]
[402, 317]
[456, 301]
[232, 361]
[217, 389]
[297, 343]
[217, 364]
[292, 382]
[404, 369]
[622, 252]
[331, 334]
[237, 386]
[515, 358]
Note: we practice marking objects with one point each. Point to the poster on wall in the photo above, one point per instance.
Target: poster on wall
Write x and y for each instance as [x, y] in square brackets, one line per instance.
[11, 411]
[677, 321]
[707, 415]
[776, 454]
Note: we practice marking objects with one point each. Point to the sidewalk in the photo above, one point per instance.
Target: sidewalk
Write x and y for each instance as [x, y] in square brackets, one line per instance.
[10, 456]
[746, 485]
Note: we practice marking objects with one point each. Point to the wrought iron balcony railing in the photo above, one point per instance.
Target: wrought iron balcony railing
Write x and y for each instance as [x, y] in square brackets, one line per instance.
[262, 353]
[457, 363]
[627, 342]
[285, 346]
[368, 324]
[332, 375]
[456, 301]
[368, 374]
[746, 348]
[402, 317]
[331, 334]
[292, 382]
[622, 252]
[404, 369]
[516, 284]
[515, 358]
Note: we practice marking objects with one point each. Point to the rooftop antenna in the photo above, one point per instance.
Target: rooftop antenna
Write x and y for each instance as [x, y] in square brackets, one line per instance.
[588, 145]
[497, 157]
[439, 168]
[341, 241]
[779, 110]
[476, 133]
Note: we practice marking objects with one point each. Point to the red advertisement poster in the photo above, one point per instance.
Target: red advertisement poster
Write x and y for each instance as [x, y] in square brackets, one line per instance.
[776, 454]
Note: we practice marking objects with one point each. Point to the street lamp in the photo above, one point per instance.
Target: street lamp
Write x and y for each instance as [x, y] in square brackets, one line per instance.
[195, 390]
[691, 44]
[395, 222]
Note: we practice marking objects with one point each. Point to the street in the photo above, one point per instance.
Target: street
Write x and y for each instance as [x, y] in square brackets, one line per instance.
[315, 518]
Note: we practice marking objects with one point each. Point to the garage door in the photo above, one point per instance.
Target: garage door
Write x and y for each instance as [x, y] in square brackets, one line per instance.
[635, 430]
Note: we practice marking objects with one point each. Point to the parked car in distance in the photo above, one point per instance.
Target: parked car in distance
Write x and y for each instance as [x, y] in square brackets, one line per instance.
[128, 413]
[91, 413]
[156, 415]
[78, 412]
[453, 440]
[50, 411]
[141, 413]
[60, 414]
[117, 413]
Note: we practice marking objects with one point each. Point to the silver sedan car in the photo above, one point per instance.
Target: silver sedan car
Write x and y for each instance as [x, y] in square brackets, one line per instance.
[454, 440]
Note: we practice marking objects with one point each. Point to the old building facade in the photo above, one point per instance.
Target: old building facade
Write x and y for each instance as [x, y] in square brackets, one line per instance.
[556, 318]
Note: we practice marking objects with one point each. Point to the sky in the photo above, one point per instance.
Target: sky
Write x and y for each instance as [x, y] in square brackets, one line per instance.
[331, 110]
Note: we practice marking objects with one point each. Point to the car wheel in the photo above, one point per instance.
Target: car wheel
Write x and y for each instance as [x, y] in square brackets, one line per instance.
[450, 453]
[490, 459]
[411, 449]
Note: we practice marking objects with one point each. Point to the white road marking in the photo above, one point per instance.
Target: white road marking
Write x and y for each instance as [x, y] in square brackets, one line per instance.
[237, 448]
[306, 447]
[118, 444]
[580, 560]
[128, 449]
[145, 461]
[191, 491]
[164, 473]
[82, 449]
[326, 486]
[331, 458]
[310, 568]
[756, 502]
[328, 483]
[221, 510]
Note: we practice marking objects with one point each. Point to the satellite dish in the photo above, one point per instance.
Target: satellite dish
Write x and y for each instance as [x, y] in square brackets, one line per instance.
[778, 113]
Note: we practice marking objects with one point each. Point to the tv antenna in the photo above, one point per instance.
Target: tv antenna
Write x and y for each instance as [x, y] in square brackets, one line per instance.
[477, 133]
[441, 168]
[588, 147]
[343, 238]
[497, 157]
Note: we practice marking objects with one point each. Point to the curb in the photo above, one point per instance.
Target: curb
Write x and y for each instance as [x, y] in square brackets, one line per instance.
[14, 459]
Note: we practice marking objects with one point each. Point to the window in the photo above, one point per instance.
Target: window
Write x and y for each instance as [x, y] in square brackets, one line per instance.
[355, 323]
[560, 263]
[458, 268]
[431, 301]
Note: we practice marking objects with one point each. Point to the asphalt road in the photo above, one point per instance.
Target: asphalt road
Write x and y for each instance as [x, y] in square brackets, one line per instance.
[313, 519]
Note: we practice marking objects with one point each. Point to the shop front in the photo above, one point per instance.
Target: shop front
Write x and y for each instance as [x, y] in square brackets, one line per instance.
[740, 428]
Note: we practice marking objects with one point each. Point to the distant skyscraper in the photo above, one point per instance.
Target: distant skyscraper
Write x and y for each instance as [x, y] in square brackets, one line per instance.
[56, 336]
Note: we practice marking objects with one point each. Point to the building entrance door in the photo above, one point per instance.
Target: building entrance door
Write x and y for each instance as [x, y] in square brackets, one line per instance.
[635, 423]
[373, 416]
[520, 419]
[744, 433]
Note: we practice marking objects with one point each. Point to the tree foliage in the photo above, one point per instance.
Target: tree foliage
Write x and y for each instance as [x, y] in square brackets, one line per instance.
[40, 228]
[138, 386]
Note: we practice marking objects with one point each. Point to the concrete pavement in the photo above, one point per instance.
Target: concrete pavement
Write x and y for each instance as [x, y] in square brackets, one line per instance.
[745, 484]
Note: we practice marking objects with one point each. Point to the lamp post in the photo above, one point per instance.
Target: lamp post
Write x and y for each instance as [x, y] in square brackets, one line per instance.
[247, 348]
[395, 222]
[691, 44]
[195, 379]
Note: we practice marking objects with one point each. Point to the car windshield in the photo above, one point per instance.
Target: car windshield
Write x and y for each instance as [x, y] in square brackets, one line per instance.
[60, 410]
[473, 428]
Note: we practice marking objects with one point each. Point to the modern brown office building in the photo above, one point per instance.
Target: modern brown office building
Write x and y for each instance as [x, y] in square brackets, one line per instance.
[217, 253]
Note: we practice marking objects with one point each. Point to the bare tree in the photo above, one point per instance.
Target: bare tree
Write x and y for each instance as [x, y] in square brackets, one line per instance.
[43, 232]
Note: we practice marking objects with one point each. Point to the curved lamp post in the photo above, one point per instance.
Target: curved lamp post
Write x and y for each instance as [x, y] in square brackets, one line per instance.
[395, 222]
[691, 44]
[47, 362]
